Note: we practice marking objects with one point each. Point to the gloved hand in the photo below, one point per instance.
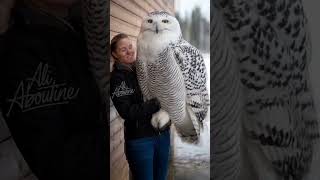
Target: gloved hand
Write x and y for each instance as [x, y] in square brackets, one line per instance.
[160, 120]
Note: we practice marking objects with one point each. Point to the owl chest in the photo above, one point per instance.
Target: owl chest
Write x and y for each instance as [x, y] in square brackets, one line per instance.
[166, 80]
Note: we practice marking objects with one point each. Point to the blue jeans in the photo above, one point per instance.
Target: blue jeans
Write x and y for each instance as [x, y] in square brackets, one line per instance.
[148, 158]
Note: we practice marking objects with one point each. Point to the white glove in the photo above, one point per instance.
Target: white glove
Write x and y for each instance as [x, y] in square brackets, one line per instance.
[160, 119]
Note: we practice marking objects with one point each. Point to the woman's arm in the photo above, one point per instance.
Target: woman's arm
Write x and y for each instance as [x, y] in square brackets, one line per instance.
[126, 108]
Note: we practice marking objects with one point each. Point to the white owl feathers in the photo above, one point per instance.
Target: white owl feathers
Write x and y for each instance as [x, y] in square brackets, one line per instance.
[173, 71]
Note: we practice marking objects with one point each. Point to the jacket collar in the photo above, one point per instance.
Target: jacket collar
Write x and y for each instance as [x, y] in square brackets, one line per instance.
[126, 67]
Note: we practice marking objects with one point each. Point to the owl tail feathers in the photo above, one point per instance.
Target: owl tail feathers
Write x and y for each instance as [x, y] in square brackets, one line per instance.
[188, 138]
[197, 124]
[189, 132]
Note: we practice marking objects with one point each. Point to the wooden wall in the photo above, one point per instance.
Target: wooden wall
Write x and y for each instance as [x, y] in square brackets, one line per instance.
[126, 17]
[119, 169]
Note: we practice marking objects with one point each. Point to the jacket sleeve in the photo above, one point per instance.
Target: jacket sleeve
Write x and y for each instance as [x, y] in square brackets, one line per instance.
[128, 110]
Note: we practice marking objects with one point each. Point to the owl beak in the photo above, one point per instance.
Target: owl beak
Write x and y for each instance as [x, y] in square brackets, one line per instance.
[157, 30]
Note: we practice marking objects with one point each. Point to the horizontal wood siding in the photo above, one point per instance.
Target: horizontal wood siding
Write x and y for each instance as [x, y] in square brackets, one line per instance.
[126, 15]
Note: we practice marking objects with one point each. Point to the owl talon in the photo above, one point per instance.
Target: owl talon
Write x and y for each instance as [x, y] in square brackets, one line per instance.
[160, 119]
[154, 121]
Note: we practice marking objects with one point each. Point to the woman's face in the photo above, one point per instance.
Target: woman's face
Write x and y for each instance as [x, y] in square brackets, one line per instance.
[125, 52]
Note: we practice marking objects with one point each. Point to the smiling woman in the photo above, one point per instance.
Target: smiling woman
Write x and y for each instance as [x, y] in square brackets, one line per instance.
[146, 147]
[122, 49]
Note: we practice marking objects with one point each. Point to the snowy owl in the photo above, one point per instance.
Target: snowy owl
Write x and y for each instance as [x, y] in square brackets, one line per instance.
[173, 71]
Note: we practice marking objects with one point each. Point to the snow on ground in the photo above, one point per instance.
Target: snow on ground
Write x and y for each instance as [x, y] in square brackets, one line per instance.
[194, 159]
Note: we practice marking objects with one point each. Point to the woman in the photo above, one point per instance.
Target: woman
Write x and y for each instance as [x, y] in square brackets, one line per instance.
[147, 149]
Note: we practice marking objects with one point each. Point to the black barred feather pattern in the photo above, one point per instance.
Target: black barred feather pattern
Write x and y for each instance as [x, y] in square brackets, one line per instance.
[171, 91]
[272, 41]
[173, 71]
[226, 104]
[142, 75]
[96, 21]
[192, 65]
[161, 13]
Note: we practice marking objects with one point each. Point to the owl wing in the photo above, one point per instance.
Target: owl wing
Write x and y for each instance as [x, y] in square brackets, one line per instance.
[193, 69]
[142, 75]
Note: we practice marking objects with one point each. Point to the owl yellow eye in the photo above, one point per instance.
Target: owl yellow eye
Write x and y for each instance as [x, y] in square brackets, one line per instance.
[165, 21]
[149, 21]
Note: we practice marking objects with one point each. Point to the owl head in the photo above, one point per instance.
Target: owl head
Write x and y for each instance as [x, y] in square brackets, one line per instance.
[160, 25]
